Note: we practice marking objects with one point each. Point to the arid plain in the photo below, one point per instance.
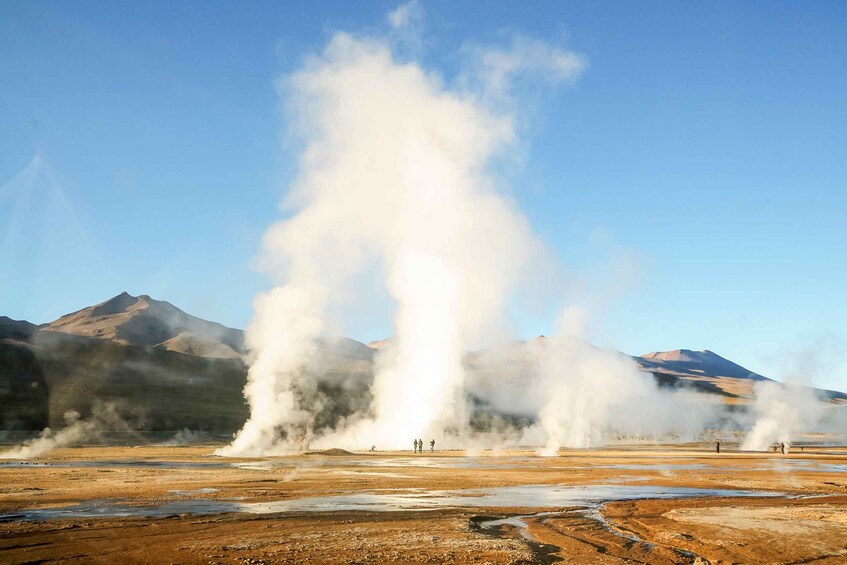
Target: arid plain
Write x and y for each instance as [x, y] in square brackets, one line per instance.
[641, 504]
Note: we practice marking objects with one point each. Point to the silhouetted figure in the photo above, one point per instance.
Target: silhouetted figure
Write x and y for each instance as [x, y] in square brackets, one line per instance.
[373, 448]
[432, 446]
[782, 447]
[415, 450]
[420, 445]
[717, 446]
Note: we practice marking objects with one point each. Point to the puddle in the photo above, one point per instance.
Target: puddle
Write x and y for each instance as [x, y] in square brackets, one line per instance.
[255, 465]
[119, 463]
[590, 507]
[371, 474]
[295, 462]
[444, 462]
[518, 522]
[538, 496]
[807, 465]
[423, 462]
[653, 466]
[193, 492]
[791, 465]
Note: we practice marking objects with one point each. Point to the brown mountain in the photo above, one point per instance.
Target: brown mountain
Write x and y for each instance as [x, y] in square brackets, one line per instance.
[694, 363]
[707, 371]
[704, 371]
[145, 322]
[163, 369]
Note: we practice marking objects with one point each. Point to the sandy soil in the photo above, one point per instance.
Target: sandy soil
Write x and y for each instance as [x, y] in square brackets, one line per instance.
[809, 525]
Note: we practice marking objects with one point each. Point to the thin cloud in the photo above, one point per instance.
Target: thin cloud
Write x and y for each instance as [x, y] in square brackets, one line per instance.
[406, 16]
[494, 70]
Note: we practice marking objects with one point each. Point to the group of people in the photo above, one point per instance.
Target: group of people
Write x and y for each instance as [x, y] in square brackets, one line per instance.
[419, 446]
[780, 447]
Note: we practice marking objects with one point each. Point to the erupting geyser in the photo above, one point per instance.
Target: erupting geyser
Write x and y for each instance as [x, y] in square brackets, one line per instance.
[395, 176]
[394, 168]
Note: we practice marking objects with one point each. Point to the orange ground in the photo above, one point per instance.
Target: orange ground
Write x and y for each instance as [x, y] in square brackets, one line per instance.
[811, 527]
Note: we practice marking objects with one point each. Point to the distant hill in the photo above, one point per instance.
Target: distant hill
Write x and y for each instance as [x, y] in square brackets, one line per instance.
[144, 322]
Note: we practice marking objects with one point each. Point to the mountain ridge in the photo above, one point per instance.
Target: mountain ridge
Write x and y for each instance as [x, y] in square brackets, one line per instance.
[147, 322]
[182, 371]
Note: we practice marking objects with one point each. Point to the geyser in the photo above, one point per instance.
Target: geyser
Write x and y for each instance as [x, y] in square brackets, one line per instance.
[394, 170]
[782, 410]
[395, 177]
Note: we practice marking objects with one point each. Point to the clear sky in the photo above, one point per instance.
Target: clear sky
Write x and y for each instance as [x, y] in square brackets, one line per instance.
[696, 172]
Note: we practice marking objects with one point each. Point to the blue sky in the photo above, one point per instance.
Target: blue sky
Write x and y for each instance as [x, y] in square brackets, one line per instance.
[705, 147]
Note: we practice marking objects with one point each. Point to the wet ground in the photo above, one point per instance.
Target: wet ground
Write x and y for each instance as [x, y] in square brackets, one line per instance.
[650, 504]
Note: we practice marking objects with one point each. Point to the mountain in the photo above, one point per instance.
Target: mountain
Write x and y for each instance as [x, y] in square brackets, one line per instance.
[694, 363]
[704, 371]
[166, 370]
[144, 322]
[163, 369]
[707, 371]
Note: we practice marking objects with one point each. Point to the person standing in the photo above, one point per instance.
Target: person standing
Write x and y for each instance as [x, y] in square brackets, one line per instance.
[415, 449]
[432, 446]
[420, 445]
[717, 446]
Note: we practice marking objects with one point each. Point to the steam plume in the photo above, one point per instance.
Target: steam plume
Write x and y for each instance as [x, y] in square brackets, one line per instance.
[394, 169]
[781, 410]
[104, 417]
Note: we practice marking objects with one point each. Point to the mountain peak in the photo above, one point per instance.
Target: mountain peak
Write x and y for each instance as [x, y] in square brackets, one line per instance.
[146, 322]
[120, 303]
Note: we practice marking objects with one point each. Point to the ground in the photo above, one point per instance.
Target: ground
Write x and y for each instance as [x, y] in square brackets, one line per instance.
[156, 504]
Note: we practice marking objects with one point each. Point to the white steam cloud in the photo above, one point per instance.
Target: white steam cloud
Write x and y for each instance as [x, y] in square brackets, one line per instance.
[582, 396]
[496, 70]
[395, 175]
[104, 418]
[394, 169]
[406, 16]
[782, 411]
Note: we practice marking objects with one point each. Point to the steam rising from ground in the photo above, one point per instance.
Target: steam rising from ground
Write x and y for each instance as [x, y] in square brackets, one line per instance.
[104, 417]
[782, 410]
[394, 171]
[785, 410]
[577, 395]
[395, 175]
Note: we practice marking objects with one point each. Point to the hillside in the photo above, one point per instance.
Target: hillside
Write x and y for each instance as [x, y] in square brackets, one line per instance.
[18, 330]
